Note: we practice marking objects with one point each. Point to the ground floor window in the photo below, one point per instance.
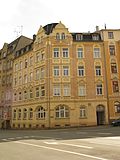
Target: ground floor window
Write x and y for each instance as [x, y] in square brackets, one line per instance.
[62, 111]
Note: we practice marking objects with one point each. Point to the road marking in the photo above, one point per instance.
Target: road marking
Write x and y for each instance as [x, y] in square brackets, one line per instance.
[60, 150]
[4, 139]
[104, 133]
[51, 142]
[74, 145]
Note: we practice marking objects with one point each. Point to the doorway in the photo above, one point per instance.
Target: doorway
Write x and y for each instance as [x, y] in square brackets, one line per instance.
[100, 115]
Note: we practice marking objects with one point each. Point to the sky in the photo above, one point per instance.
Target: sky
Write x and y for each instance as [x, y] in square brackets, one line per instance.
[26, 16]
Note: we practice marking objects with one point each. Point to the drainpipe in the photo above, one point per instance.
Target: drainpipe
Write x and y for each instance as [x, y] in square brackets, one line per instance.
[106, 82]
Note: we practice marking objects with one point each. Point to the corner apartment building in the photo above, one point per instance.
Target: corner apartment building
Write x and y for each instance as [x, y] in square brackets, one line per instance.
[61, 81]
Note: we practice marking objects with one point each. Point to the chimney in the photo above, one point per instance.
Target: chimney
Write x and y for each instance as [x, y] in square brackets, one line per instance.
[97, 28]
[34, 37]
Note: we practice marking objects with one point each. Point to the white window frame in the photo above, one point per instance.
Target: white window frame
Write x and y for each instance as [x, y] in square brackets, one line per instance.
[82, 90]
[97, 52]
[99, 89]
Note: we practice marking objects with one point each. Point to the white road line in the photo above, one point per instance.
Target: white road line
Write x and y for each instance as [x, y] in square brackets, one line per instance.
[60, 150]
[4, 139]
[104, 133]
[74, 145]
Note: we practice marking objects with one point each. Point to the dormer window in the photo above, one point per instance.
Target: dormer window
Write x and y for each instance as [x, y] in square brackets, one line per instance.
[79, 37]
[63, 36]
[95, 37]
[57, 36]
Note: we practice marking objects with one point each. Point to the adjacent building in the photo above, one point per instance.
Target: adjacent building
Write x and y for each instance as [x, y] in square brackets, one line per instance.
[64, 79]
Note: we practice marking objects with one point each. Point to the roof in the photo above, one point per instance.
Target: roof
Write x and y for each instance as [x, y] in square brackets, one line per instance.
[86, 37]
[49, 28]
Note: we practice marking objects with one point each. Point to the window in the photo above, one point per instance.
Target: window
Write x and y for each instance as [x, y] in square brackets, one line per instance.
[99, 89]
[113, 68]
[37, 57]
[82, 112]
[26, 63]
[24, 113]
[96, 52]
[16, 67]
[80, 52]
[56, 52]
[20, 65]
[15, 97]
[42, 72]
[25, 94]
[98, 70]
[37, 92]
[20, 96]
[40, 113]
[112, 50]
[57, 36]
[42, 91]
[56, 71]
[31, 93]
[19, 114]
[20, 80]
[79, 37]
[82, 90]
[42, 56]
[80, 70]
[56, 90]
[25, 78]
[31, 60]
[117, 107]
[62, 111]
[115, 86]
[65, 52]
[65, 70]
[37, 74]
[66, 90]
[110, 35]
[95, 37]
[31, 76]
[63, 36]
[15, 81]
[14, 114]
[30, 113]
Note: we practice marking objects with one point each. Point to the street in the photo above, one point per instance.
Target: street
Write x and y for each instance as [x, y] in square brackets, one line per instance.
[85, 143]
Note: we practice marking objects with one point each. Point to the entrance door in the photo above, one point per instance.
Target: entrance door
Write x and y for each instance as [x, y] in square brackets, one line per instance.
[100, 113]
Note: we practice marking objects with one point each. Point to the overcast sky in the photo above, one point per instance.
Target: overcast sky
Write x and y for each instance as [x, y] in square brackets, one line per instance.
[77, 15]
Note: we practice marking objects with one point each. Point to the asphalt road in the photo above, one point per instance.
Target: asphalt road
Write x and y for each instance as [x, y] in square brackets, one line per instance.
[87, 143]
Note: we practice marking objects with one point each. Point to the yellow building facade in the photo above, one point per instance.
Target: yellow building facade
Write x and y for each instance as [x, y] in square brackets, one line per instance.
[60, 80]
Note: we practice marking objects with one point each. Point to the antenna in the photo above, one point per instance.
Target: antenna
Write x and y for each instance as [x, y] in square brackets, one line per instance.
[18, 31]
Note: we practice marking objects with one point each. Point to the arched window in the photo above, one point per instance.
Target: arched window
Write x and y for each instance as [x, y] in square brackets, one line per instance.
[14, 114]
[25, 113]
[63, 36]
[15, 96]
[62, 111]
[30, 113]
[57, 36]
[40, 113]
[19, 114]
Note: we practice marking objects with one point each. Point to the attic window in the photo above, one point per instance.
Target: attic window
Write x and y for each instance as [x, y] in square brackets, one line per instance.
[95, 37]
[57, 36]
[79, 37]
[63, 36]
